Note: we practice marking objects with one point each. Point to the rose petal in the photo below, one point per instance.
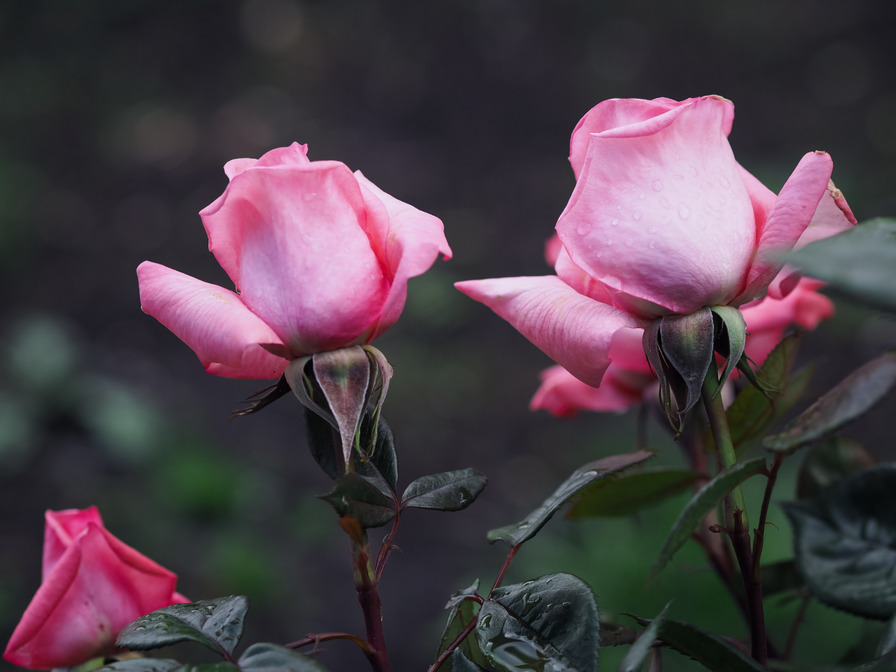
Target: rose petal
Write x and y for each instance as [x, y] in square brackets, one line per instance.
[790, 216]
[571, 329]
[405, 239]
[564, 395]
[292, 241]
[664, 218]
[61, 529]
[213, 321]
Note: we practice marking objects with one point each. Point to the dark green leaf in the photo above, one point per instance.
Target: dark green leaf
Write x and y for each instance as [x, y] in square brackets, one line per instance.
[550, 623]
[637, 654]
[887, 643]
[845, 542]
[143, 665]
[355, 496]
[217, 624]
[701, 504]
[624, 494]
[448, 491]
[463, 612]
[754, 410]
[384, 459]
[528, 527]
[828, 461]
[712, 652]
[324, 443]
[276, 658]
[849, 399]
[858, 263]
[460, 663]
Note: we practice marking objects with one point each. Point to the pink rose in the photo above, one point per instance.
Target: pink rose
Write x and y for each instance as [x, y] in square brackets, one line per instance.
[93, 585]
[629, 377]
[662, 221]
[320, 258]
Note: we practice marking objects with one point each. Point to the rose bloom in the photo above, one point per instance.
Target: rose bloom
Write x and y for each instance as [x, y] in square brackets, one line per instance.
[629, 378]
[93, 585]
[320, 258]
[662, 221]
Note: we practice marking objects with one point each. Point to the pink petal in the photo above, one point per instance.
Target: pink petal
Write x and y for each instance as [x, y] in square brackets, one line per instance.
[61, 529]
[294, 242]
[564, 395]
[790, 216]
[407, 242]
[98, 586]
[225, 335]
[664, 218]
[294, 155]
[571, 329]
[629, 117]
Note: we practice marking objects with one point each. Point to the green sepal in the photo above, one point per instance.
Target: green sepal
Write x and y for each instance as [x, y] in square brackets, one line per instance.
[845, 542]
[217, 624]
[448, 491]
[546, 624]
[849, 399]
[700, 504]
[730, 339]
[527, 528]
[358, 497]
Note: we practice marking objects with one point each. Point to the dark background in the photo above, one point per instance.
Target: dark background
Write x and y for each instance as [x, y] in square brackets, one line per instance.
[115, 121]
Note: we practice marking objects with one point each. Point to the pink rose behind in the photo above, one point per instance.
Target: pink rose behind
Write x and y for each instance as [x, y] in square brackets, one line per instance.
[319, 256]
[93, 585]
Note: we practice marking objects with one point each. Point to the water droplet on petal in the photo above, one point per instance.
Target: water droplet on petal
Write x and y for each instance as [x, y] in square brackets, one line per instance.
[684, 212]
[652, 229]
[309, 196]
[615, 222]
[724, 182]
[642, 196]
[636, 215]
[583, 229]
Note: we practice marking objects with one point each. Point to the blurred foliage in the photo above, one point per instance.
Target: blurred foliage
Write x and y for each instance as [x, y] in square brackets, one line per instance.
[115, 121]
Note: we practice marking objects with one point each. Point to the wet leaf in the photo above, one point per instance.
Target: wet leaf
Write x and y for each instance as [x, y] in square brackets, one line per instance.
[358, 497]
[463, 612]
[828, 461]
[217, 624]
[550, 623]
[276, 658]
[146, 665]
[702, 503]
[849, 399]
[594, 471]
[460, 663]
[448, 491]
[638, 652]
[625, 494]
[845, 542]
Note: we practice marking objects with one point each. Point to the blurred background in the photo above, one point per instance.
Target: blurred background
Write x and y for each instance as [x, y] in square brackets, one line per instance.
[115, 121]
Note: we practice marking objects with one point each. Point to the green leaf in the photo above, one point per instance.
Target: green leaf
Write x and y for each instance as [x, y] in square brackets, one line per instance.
[276, 658]
[712, 652]
[625, 494]
[527, 528]
[217, 624]
[858, 263]
[778, 577]
[845, 542]
[755, 410]
[849, 399]
[460, 663]
[448, 491]
[638, 652]
[702, 503]
[463, 612]
[550, 623]
[887, 641]
[356, 496]
[143, 665]
[828, 461]
[731, 340]
[323, 442]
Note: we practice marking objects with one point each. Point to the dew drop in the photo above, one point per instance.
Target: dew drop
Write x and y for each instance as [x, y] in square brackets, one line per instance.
[657, 185]
[652, 229]
[651, 244]
[684, 212]
[309, 196]
[642, 196]
[724, 182]
[615, 222]
[583, 229]
[629, 242]
[665, 202]
[636, 215]
[609, 243]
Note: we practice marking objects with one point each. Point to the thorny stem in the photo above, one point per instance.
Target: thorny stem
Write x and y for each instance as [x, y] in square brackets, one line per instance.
[328, 636]
[736, 516]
